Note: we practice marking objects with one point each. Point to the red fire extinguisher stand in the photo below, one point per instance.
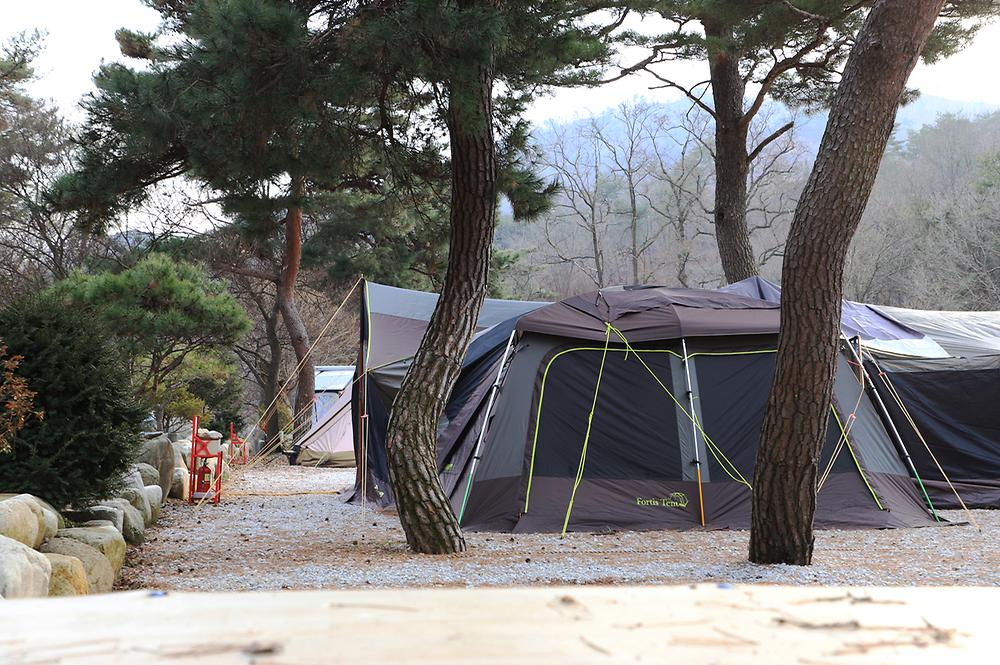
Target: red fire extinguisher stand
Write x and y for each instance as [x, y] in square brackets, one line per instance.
[237, 447]
[205, 475]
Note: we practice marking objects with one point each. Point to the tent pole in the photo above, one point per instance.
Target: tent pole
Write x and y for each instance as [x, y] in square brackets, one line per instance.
[694, 428]
[892, 426]
[486, 418]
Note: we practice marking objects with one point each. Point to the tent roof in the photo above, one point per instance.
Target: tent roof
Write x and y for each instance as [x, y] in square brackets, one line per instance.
[397, 319]
[654, 313]
[959, 333]
[333, 377]
[878, 330]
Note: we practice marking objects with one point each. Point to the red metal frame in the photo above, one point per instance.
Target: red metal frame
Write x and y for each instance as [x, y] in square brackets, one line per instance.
[199, 488]
[237, 447]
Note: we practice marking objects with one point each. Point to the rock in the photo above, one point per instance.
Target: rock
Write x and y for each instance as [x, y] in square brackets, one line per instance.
[182, 450]
[23, 520]
[52, 516]
[24, 573]
[180, 489]
[100, 573]
[155, 496]
[133, 478]
[69, 577]
[138, 499]
[209, 434]
[100, 512]
[149, 474]
[133, 524]
[106, 539]
[159, 454]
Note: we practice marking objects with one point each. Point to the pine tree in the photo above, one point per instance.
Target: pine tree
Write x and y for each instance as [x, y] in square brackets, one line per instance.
[468, 68]
[243, 96]
[829, 210]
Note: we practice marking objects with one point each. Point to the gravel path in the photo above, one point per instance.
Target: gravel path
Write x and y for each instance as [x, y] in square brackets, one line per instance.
[255, 540]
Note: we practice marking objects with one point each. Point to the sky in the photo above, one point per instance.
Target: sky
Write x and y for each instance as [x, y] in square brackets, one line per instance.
[80, 36]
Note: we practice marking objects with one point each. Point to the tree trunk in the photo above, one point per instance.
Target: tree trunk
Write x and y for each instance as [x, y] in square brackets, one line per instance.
[306, 385]
[859, 126]
[633, 227]
[411, 441]
[732, 163]
[272, 373]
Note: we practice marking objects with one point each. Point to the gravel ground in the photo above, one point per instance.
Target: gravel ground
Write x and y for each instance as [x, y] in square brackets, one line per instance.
[255, 540]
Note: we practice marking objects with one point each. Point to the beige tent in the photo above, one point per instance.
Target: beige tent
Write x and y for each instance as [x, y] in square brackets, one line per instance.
[331, 441]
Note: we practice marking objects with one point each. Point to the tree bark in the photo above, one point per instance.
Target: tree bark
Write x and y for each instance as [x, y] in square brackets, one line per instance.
[859, 126]
[272, 372]
[411, 441]
[306, 384]
[732, 163]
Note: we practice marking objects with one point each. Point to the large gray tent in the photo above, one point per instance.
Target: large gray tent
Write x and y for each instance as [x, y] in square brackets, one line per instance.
[641, 408]
[637, 408]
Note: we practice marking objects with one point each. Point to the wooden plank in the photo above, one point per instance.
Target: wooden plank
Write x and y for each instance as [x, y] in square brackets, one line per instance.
[696, 624]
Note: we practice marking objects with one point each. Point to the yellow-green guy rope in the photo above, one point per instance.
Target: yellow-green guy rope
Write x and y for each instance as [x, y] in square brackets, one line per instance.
[586, 437]
[541, 397]
[629, 349]
[857, 462]
[712, 447]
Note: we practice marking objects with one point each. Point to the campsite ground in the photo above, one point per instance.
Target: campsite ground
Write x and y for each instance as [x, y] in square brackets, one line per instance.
[280, 528]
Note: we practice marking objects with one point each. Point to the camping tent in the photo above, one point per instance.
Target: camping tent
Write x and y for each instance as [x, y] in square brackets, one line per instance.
[331, 441]
[946, 412]
[330, 382]
[942, 407]
[877, 329]
[393, 321]
[964, 334]
[640, 409]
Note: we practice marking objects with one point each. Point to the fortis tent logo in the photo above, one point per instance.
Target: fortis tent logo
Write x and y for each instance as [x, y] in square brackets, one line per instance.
[674, 500]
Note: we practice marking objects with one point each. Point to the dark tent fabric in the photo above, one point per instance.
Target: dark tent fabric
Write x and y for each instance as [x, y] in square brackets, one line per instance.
[638, 471]
[522, 465]
[653, 313]
[953, 403]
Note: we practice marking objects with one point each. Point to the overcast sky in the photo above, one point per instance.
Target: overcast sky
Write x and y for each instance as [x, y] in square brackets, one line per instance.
[80, 35]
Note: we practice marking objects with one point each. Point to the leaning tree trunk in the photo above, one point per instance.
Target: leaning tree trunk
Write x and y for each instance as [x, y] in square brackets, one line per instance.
[411, 441]
[859, 126]
[306, 384]
[732, 164]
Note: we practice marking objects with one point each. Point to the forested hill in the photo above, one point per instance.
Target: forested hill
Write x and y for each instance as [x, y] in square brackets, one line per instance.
[928, 237]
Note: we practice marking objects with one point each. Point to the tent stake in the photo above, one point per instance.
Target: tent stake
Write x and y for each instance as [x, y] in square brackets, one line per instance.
[694, 428]
[892, 426]
[486, 419]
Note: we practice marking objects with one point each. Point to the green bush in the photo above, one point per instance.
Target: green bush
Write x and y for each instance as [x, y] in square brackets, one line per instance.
[89, 432]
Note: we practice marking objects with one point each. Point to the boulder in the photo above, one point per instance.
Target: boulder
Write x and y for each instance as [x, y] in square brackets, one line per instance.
[69, 578]
[182, 453]
[98, 569]
[159, 454]
[104, 538]
[155, 497]
[209, 434]
[180, 489]
[133, 524]
[53, 518]
[133, 478]
[23, 520]
[24, 573]
[137, 497]
[100, 512]
[149, 474]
